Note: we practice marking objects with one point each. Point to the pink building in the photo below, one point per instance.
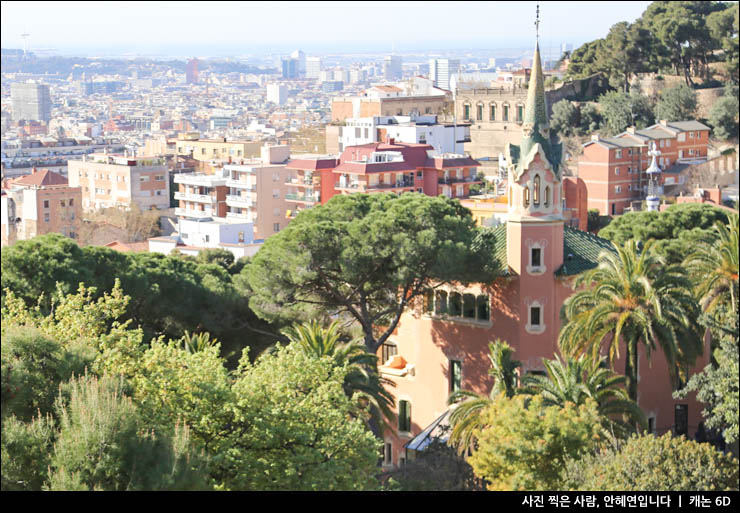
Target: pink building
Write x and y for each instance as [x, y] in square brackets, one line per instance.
[441, 343]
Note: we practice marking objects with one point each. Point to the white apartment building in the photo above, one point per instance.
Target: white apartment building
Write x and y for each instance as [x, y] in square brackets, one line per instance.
[195, 235]
[277, 93]
[444, 137]
[313, 67]
[442, 70]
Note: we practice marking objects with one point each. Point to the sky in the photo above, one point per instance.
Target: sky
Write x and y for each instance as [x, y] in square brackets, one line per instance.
[239, 28]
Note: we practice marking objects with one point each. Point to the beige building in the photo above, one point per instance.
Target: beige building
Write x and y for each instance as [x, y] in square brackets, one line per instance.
[121, 180]
[257, 191]
[40, 203]
[190, 144]
[367, 106]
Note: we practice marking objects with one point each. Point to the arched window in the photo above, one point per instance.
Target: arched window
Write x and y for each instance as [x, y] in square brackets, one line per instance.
[429, 301]
[479, 112]
[547, 196]
[455, 304]
[466, 112]
[526, 196]
[536, 191]
[440, 305]
[520, 113]
[493, 112]
[469, 306]
[506, 113]
[484, 311]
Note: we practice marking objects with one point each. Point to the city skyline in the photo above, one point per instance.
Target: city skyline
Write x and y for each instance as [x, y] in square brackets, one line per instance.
[72, 28]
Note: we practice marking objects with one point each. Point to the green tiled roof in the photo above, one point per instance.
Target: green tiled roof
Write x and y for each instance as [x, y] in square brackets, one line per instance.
[581, 250]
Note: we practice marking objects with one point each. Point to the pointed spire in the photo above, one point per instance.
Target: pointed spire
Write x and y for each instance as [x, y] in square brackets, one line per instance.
[535, 111]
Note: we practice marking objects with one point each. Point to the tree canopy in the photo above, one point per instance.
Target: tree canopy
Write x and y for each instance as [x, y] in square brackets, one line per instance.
[367, 257]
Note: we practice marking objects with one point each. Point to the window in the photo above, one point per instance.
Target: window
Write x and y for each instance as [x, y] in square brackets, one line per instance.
[72, 216]
[616, 170]
[629, 187]
[62, 203]
[547, 196]
[479, 112]
[208, 238]
[46, 218]
[506, 113]
[536, 191]
[455, 377]
[358, 131]
[526, 196]
[455, 306]
[159, 178]
[617, 188]
[536, 257]
[534, 316]
[389, 350]
[681, 414]
[429, 301]
[276, 227]
[276, 193]
[618, 154]
[469, 306]
[71, 202]
[493, 112]
[484, 311]
[466, 111]
[404, 416]
[440, 305]
[519, 113]
[144, 178]
[668, 143]
[46, 203]
[387, 453]
[651, 425]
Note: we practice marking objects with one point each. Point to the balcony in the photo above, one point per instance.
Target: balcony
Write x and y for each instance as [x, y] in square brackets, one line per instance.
[233, 200]
[200, 179]
[239, 184]
[302, 198]
[303, 182]
[351, 186]
[453, 179]
[249, 217]
[193, 213]
[200, 198]
[400, 184]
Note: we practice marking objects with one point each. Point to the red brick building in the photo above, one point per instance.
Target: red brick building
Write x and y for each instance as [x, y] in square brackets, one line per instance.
[613, 168]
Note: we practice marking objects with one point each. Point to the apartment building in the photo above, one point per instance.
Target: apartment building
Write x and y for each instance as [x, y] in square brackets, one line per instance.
[344, 107]
[39, 203]
[257, 189]
[189, 144]
[389, 166]
[418, 129]
[31, 101]
[195, 235]
[613, 168]
[201, 195]
[121, 181]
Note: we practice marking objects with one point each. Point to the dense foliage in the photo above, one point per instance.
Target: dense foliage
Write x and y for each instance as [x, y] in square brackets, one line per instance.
[677, 103]
[649, 463]
[621, 110]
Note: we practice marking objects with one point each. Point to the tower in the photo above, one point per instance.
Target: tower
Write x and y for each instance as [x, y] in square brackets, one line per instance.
[653, 172]
[534, 228]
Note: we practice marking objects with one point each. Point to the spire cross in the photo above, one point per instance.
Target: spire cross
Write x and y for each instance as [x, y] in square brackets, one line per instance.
[537, 22]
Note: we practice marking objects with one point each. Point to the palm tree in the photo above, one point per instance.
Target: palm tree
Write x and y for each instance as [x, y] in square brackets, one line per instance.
[577, 379]
[465, 417]
[713, 265]
[196, 342]
[362, 380]
[633, 296]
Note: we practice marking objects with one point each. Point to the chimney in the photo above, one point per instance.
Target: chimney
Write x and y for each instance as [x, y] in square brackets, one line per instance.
[595, 137]
[630, 130]
[664, 122]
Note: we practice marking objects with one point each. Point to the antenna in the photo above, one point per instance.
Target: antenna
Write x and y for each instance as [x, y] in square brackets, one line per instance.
[25, 37]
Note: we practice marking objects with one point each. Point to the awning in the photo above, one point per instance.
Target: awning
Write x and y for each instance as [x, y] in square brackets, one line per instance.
[434, 430]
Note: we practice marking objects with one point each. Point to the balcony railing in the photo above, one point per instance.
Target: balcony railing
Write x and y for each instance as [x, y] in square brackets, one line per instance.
[240, 184]
[453, 179]
[201, 198]
[239, 201]
[398, 184]
[199, 179]
[358, 186]
[193, 213]
[301, 198]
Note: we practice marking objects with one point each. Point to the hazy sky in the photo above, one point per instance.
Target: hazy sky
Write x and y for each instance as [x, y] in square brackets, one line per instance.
[223, 28]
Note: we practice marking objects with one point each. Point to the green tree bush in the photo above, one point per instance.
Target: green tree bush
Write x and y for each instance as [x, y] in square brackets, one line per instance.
[677, 103]
[649, 463]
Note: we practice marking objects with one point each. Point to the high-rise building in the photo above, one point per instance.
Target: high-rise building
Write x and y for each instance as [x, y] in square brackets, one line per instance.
[277, 93]
[301, 58]
[442, 70]
[289, 68]
[191, 71]
[313, 67]
[31, 101]
[392, 67]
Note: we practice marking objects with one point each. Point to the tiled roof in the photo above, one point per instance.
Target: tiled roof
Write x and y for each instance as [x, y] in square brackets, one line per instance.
[688, 125]
[41, 178]
[581, 251]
